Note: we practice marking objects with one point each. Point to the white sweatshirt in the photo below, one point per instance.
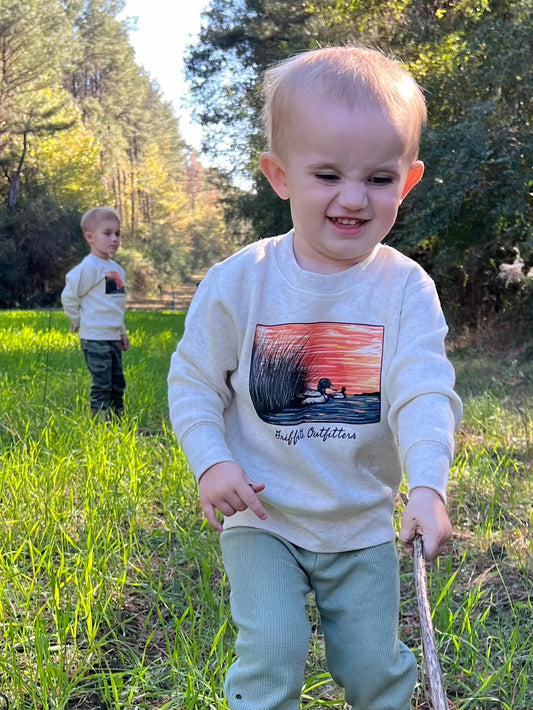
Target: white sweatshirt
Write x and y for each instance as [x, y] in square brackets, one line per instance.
[258, 379]
[94, 298]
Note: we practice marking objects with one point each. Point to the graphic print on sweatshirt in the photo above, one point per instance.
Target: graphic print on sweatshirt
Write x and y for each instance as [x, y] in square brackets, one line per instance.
[317, 372]
[113, 282]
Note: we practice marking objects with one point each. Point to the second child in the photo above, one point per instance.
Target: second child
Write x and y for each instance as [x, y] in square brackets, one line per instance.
[95, 302]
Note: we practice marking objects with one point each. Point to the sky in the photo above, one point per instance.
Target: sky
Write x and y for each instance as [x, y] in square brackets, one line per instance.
[164, 29]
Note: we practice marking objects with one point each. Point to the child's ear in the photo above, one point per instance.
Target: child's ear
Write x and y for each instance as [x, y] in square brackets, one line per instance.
[274, 172]
[413, 177]
[88, 237]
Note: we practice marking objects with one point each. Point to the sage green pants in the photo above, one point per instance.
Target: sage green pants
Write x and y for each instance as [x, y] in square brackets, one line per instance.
[357, 595]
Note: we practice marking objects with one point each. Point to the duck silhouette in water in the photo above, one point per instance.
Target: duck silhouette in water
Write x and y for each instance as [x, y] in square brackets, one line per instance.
[340, 395]
[318, 396]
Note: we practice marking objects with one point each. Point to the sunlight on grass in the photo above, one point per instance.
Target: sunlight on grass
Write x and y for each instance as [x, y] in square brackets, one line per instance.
[112, 593]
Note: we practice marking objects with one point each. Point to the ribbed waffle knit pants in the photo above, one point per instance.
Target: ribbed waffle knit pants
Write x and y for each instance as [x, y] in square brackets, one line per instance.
[357, 595]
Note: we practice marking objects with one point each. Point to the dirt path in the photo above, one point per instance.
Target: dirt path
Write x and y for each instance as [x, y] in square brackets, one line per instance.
[177, 300]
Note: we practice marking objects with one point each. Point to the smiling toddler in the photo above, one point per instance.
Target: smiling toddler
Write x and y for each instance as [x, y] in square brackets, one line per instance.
[311, 375]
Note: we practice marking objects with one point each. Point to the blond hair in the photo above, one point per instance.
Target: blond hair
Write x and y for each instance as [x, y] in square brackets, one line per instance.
[91, 218]
[353, 76]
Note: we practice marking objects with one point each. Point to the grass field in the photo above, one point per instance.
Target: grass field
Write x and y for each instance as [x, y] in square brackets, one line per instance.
[112, 594]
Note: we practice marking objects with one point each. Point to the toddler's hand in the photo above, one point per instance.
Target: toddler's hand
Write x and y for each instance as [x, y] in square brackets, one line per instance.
[124, 343]
[425, 515]
[226, 487]
[74, 328]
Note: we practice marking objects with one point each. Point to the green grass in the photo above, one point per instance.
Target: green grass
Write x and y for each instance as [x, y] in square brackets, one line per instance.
[112, 594]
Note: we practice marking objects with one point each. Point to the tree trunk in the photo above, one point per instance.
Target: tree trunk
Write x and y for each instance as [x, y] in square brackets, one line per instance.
[14, 182]
[14, 178]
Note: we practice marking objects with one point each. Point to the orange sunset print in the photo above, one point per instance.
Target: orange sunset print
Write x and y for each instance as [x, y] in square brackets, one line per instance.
[113, 282]
[327, 372]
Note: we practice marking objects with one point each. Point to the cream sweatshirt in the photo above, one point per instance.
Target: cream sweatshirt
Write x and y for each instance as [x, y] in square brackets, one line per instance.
[94, 298]
[323, 387]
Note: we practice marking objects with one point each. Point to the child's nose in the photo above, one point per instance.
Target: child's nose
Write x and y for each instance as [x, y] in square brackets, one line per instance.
[353, 196]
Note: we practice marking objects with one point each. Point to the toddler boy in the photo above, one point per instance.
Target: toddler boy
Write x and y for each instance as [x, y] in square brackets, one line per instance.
[311, 374]
[95, 302]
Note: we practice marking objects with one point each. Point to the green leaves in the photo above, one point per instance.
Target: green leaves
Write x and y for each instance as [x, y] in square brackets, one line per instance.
[473, 60]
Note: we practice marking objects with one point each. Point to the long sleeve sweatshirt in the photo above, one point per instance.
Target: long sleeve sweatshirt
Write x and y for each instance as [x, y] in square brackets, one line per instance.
[94, 298]
[323, 387]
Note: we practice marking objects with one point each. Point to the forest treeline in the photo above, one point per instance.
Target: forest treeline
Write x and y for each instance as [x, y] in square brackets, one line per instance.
[82, 124]
[473, 209]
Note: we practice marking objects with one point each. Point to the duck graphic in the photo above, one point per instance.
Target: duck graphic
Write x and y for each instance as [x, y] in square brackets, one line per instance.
[340, 395]
[318, 396]
[324, 372]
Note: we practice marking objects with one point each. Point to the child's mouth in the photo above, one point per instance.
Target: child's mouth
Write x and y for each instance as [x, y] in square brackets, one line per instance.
[347, 221]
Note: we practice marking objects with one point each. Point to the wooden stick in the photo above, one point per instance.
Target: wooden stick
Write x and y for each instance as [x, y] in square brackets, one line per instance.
[431, 659]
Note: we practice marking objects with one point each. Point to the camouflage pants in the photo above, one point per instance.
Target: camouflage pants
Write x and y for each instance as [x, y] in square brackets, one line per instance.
[104, 361]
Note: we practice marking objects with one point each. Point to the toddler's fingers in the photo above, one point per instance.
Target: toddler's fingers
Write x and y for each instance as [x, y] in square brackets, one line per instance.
[431, 549]
[210, 514]
[249, 497]
[257, 487]
[434, 546]
[408, 530]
